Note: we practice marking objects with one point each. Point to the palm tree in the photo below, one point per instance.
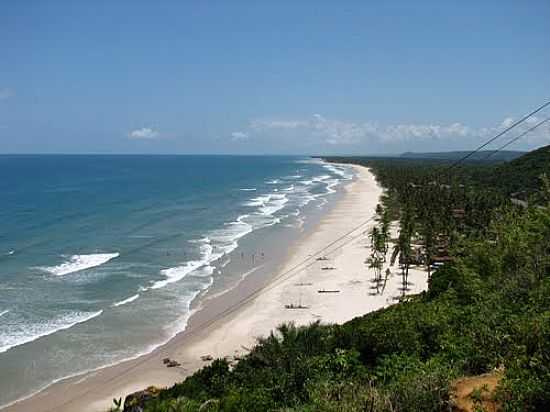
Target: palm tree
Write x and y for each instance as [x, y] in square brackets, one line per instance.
[385, 231]
[373, 235]
[375, 262]
[428, 237]
[403, 247]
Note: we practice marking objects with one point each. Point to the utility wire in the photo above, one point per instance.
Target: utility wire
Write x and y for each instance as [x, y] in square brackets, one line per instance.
[499, 135]
[515, 139]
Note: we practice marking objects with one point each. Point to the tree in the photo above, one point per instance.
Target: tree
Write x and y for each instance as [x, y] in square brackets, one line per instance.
[377, 257]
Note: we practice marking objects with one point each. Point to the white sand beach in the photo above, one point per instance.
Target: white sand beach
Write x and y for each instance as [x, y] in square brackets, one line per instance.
[231, 323]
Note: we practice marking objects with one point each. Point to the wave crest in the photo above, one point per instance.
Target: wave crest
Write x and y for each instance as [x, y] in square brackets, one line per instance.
[80, 262]
[127, 300]
[24, 333]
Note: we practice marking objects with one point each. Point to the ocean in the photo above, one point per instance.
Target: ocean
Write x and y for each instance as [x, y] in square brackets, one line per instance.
[103, 258]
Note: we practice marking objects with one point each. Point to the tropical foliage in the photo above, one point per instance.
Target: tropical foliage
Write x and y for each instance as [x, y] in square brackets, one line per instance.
[487, 307]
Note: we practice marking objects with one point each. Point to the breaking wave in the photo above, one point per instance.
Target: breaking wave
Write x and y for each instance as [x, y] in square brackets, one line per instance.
[80, 262]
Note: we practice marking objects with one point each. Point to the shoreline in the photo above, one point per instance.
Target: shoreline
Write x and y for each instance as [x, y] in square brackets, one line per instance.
[231, 322]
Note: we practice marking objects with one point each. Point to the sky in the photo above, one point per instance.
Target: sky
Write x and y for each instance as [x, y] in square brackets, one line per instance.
[279, 77]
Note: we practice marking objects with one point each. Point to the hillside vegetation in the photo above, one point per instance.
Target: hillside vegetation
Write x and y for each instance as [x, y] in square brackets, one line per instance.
[503, 155]
[522, 174]
[487, 309]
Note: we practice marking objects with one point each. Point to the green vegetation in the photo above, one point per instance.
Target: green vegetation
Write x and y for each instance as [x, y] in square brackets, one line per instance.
[487, 307]
[520, 175]
[503, 155]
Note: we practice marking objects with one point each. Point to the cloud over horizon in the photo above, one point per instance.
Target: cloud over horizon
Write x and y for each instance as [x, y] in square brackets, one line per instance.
[144, 133]
[343, 135]
[236, 136]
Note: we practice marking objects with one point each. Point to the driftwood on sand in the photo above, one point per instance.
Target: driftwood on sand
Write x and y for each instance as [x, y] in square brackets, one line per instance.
[170, 363]
[294, 306]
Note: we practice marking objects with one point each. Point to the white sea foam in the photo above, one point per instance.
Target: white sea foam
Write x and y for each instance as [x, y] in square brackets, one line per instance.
[322, 203]
[225, 263]
[276, 202]
[252, 189]
[226, 248]
[177, 273]
[204, 271]
[208, 255]
[268, 204]
[300, 222]
[3, 312]
[127, 300]
[205, 239]
[223, 241]
[172, 331]
[340, 171]
[11, 252]
[226, 238]
[258, 201]
[331, 185]
[25, 333]
[305, 199]
[321, 178]
[80, 262]
[273, 182]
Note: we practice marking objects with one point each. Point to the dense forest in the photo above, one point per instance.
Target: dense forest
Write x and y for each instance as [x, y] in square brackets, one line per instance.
[520, 176]
[486, 312]
[503, 155]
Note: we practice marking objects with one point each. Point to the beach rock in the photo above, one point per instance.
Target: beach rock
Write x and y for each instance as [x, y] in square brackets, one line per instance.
[135, 402]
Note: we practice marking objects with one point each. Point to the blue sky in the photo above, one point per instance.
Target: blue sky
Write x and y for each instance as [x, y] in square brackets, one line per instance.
[283, 77]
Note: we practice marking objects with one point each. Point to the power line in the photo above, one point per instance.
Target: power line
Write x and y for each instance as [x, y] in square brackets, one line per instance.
[499, 135]
[515, 139]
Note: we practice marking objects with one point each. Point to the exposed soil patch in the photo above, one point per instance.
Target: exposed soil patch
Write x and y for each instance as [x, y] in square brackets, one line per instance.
[476, 392]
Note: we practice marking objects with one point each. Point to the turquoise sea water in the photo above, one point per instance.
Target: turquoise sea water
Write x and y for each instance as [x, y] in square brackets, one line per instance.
[101, 257]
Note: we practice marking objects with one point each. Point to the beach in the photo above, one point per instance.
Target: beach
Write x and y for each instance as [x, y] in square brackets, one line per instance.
[324, 278]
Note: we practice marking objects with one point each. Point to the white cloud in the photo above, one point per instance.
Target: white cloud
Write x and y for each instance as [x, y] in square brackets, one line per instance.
[507, 122]
[144, 133]
[331, 131]
[277, 124]
[6, 94]
[341, 132]
[416, 132]
[319, 129]
[236, 136]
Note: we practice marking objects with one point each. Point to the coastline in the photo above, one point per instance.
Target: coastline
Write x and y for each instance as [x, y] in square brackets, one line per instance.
[232, 321]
